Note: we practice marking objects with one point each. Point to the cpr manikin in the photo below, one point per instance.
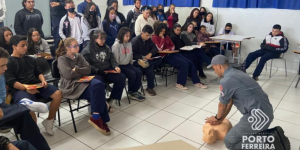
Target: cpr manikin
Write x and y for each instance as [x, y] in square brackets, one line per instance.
[212, 133]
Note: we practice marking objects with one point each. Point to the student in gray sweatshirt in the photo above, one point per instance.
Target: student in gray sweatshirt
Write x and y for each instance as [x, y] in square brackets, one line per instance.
[122, 50]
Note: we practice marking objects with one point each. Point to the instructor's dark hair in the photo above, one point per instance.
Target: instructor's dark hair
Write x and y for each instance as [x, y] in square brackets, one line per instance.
[147, 29]
[228, 25]
[16, 39]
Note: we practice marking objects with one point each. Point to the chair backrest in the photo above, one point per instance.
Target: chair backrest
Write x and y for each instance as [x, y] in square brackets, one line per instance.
[44, 65]
[55, 70]
[52, 50]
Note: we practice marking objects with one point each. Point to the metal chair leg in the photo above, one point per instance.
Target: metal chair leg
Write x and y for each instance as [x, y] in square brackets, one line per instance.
[285, 68]
[297, 82]
[78, 104]
[16, 134]
[73, 120]
[271, 68]
[58, 114]
[127, 94]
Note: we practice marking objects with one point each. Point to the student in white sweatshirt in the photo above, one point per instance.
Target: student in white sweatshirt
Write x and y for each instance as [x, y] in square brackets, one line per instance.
[2, 12]
[209, 23]
[89, 22]
[122, 50]
[143, 20]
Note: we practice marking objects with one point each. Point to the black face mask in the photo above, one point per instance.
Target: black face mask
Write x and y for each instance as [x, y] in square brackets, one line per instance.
[202, 13]
[71, 10]
[161, 10]
[227, 31]
[92, 12]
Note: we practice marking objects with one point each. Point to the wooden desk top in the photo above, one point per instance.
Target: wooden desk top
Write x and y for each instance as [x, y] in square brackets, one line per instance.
[234, 38]
[297, 52]
[168, 52]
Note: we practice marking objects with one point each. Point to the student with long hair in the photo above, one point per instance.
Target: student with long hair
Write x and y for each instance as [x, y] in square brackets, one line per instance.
[122, 50]
[101, 60]
[143, 19]
[110, 26]
[172, 16]
[153, 13]
[194, 16]
[5, 35]
[203, 13]
[120, 18]
[36, 44]
[209, 23]
[185, 66]
[89, 22]
[72, 66]
[180, 41]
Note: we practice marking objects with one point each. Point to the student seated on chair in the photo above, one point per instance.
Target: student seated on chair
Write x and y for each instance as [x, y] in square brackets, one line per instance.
[203, 36]
[189, 39]
[70, 24]
[274, 45]
[18, 116]
[72, 66]
[143, 51]
[36, 44]
[186, 67]
[122, 50]
[22, 69]
[228, 31]
[208, 22]
[89, 22]
[101, 60]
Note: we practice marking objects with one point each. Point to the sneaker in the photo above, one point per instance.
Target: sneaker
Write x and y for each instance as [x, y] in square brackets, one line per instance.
[181, 87]
[5, 129]
[100, 126]
[35, 106]
[143, 63]
[255, 78]
[136, 96]
[48, 125]
[201, 85]
[151, 92]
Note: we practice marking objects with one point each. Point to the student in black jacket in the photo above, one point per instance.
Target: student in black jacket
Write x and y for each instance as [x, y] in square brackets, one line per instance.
[57, 11]
[120, 17]
[27, 18]
[23, 69]
[101, 60]
[143, 48]
[133, 15]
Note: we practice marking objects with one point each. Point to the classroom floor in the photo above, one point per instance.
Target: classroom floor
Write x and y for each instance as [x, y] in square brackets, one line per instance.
[174, 115]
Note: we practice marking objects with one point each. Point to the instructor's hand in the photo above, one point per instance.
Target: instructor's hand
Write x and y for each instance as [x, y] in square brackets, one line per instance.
[212, 120]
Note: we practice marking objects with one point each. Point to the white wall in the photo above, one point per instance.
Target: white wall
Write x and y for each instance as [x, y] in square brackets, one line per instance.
[252, 22]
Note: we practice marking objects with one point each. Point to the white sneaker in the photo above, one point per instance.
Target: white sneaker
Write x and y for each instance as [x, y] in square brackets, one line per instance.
[34, 106]
[48, 124]
[181, 87]
[200, 85]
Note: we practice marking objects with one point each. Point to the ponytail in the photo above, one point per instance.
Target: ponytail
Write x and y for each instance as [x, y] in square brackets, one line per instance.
[62, 50]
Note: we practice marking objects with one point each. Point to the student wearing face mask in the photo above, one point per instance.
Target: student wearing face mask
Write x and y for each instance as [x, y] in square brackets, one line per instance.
[82, 6]
[89, 22]
[172, 16]
[120, 17]
[143, 20]
[133, 15]
[228, 31]
[70, 24]
[110, 26]
[153, 13]
[161, 13]
[203, 13]
[209, 23]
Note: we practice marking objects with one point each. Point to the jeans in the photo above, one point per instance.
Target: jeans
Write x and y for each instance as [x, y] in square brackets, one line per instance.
[149, 72]
[202, 57]
[118, 79]
[95, 94]
[134, 76]
[185, 66]
[265, 56]
[23, 145]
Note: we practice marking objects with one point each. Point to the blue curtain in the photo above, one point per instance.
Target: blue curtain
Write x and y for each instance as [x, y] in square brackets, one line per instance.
[279, 4]
[184, 3]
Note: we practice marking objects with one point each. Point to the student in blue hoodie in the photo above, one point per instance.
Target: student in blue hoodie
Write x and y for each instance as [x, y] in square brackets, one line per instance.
[82, 6]
[110, 26]
[122, 50]
[160, 13]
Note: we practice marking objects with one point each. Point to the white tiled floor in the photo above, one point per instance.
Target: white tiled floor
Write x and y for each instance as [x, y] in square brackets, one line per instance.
[174, 115]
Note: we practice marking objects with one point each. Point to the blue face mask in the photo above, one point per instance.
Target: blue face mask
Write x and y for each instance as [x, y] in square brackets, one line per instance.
[71, 10]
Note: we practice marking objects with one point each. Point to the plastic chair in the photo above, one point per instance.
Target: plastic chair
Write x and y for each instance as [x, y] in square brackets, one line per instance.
[280, 58]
